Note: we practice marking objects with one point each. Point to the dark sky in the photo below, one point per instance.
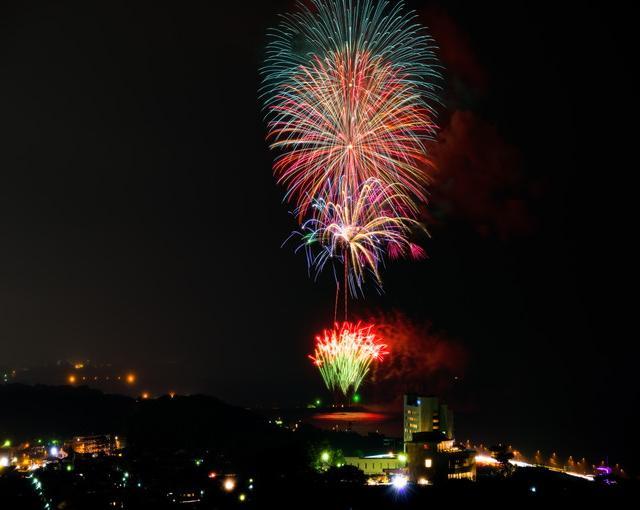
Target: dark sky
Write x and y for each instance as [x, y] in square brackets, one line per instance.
[140, 223]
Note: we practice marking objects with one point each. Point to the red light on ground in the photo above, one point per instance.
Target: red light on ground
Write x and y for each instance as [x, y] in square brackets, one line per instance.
[354, 416]
[212, 474]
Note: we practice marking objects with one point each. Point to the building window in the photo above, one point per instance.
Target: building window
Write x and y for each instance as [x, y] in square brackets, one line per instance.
[427, 463]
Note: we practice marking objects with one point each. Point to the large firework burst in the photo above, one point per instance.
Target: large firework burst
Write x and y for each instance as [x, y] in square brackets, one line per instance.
[344, 354]
[349, 89]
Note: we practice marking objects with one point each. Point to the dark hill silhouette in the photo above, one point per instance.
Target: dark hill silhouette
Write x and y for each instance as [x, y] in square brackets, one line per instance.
[153, 427]
[60, 411]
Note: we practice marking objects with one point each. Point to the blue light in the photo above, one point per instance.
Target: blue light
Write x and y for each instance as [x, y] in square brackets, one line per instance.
[399, 482]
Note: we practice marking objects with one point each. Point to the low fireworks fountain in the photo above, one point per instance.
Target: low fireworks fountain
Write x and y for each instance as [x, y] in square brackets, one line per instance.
[344, 356]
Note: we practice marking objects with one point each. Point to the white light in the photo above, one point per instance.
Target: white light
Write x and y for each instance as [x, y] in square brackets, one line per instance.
[427, 463]
[532, 489]
[399, 482]
[53, 451]
[423, 481]
[4, 461]
[485, 459]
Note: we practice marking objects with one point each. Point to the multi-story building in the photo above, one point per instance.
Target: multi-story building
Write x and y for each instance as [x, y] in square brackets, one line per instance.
[433, 458]
[426, 414]
[89, 445]
[432, 454]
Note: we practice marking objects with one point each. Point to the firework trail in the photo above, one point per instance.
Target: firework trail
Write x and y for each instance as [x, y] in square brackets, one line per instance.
[344, 355]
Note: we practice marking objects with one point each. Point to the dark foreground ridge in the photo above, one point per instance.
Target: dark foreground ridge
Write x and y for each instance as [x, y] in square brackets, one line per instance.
[198, 452]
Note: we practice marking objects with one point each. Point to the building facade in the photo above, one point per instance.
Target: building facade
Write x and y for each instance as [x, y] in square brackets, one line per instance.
[434, 458]
[426, 414]
[374, 465]
[106, 444]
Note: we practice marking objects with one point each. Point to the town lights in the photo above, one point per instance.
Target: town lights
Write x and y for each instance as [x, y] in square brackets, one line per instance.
[229, 484]
[402, 457]
[324, 456]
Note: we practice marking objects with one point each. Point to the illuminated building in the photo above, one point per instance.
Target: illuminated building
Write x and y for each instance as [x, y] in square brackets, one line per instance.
[7, 456]
[24, 457]
[426, 414]
[92, 445]
[433, 458]
[385, 464]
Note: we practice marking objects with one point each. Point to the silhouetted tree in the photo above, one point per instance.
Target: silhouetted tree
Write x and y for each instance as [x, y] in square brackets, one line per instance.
[503, 455]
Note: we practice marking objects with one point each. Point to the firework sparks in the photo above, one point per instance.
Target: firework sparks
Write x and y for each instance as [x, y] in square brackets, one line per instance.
[361, 228]
[350, 88]
[355, 102]
[344, 355]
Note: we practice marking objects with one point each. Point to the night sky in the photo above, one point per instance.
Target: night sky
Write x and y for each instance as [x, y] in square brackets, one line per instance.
[140, 223]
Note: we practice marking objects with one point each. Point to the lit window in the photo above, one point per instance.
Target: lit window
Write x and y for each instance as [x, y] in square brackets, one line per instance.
[427, 463]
